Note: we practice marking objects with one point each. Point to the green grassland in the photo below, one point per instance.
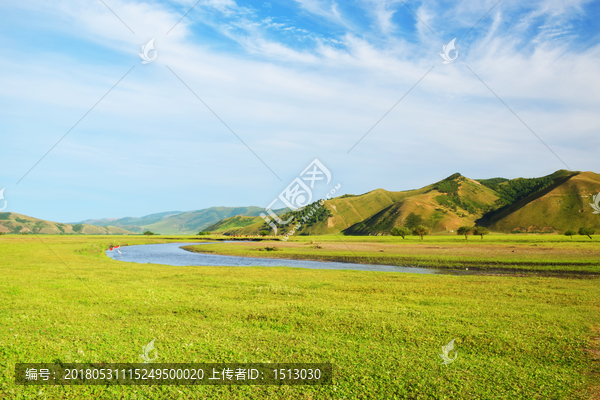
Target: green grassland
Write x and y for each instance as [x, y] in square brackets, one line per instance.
[62, 299]
[544, 253]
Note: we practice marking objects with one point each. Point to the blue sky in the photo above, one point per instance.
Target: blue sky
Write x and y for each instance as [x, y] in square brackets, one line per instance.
[295, 80]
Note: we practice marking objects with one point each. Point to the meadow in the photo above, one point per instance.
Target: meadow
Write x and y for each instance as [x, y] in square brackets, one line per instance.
[522, 252]
[63, 300]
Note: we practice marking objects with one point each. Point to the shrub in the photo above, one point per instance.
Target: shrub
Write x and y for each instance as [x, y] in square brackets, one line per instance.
[480, 230]
[587, 232]
[450, 187]
[420, 231]
[464, 230]
[400, 232]
[201, 233]
[514, 190]
[148, 233]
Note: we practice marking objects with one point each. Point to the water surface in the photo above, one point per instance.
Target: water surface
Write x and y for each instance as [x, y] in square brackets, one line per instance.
[173, 254]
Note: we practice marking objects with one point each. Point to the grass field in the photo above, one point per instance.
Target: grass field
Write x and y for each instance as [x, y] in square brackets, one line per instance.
[549, 253]
[62, 299]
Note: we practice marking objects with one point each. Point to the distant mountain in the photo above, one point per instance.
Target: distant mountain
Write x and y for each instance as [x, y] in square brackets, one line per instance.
[133, 224]
[553, 203]
[177, 222]
[18, 223]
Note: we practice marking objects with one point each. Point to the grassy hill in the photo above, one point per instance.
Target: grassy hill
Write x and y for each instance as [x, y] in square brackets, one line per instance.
[177, 222]
[443, 206]
[18, 223]
[556, 202]
[232, 223]
[133, 224]
[564, 204]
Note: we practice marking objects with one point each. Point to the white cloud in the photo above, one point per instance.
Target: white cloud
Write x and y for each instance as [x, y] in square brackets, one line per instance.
[289, 104]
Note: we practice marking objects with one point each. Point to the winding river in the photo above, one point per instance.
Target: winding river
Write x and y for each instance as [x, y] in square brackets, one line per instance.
[173, 254]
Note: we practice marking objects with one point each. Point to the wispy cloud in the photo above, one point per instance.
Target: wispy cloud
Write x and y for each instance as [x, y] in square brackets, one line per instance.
[295, 83]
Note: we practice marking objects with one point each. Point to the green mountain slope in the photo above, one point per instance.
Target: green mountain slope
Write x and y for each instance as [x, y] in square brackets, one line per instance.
[194, 221]
[562, 205]
[18, 223]
[177, 222]
[443, 206]
[233, 223]
[131, 223]
[556, 202]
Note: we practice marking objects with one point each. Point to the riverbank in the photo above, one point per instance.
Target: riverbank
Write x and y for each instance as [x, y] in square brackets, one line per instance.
[554, 254]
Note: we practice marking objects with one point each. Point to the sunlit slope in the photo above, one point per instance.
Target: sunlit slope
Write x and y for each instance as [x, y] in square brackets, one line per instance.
[378, 211]
[552, 203]
[18, 223]
[350, 210]
[233, 223]
[438, 209]
[194, 221]
[345, 211]
[562, 206]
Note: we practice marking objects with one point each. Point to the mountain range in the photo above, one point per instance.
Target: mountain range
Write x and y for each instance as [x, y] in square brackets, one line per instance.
[177, 222]
[553, 203]
[166, 223]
